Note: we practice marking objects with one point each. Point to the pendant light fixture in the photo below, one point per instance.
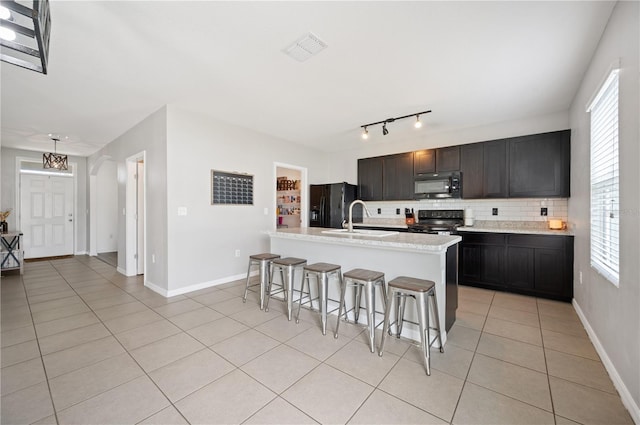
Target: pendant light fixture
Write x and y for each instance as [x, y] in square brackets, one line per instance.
[385, 131]
[55, 160]
[25, 33]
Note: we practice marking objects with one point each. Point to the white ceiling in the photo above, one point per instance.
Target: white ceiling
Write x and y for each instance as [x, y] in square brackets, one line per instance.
[474, 63]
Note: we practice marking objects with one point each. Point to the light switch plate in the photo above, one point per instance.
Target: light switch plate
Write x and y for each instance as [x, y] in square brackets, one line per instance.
[182, 210]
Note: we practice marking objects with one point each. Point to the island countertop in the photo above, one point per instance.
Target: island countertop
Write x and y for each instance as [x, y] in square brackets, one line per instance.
[402, 241]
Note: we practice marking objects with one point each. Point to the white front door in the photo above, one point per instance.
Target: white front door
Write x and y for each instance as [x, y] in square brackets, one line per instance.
[46, 211]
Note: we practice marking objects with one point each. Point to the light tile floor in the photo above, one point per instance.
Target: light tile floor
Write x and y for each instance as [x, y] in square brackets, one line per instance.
[84, 344]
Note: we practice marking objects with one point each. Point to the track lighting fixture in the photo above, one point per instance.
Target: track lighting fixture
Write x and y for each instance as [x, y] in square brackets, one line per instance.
[385, 131]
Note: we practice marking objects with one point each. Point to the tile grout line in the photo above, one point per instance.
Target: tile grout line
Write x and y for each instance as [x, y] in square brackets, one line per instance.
[475, 350]
[546, 366]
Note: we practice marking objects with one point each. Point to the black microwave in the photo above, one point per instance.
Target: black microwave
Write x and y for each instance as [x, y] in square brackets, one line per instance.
[438, 185]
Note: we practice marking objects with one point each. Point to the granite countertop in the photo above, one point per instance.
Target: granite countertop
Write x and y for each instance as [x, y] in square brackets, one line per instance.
[521, 227]
[397, 241]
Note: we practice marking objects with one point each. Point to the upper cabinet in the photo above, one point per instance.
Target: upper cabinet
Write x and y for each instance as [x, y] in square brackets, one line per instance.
[539, 165]
[448, 159]
[370, 179]
[424, 161]
[397, 177]
[436, 160]
[520, 167]
[494, 179]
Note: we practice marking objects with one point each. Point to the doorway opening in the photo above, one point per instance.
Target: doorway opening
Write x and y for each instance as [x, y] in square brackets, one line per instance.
[291, 196]
[135, 215]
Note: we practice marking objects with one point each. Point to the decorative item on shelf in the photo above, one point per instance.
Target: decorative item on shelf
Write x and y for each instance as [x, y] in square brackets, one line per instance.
[53, 159]
[385, 131]
[4, 227]
[25, 34]
[286, 184]
[557, 224]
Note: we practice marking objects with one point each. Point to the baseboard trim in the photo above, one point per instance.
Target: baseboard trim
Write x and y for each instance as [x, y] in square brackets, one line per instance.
[156, 288]
[121, 270]
[208, 284]
[625, 395]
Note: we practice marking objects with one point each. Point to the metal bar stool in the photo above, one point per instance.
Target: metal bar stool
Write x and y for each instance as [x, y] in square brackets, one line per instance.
[264, 261]
[287, 267]
[359, 279]
[421, 290]
[322, 273]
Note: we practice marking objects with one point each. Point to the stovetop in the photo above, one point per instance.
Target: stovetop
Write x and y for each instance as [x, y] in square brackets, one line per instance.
[438, 220]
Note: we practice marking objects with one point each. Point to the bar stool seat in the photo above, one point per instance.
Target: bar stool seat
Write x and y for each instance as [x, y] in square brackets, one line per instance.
[263, 261]
[422, 291]
[287, 267]
[322, 272]
[367, 279]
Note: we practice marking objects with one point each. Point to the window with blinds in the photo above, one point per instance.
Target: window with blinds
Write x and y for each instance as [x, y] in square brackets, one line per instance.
[605, 188]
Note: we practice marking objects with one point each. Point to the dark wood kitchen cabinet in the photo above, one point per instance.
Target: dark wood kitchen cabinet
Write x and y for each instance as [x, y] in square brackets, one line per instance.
[539, 165]
[436, 160]
[482, 260]
[386, 178]
[370, 179]
[537, 265]
[471, 167]
[397, 177]
[424, 161]
[494, 169]
[448, 159]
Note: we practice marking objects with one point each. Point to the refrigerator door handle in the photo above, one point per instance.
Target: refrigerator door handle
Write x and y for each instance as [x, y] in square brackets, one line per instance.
[322, 222]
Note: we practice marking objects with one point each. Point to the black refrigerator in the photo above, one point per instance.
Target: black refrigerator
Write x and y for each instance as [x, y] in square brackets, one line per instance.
[329, 204]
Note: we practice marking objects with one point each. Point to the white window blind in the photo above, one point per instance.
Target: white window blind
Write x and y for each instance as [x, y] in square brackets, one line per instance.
[605, 188]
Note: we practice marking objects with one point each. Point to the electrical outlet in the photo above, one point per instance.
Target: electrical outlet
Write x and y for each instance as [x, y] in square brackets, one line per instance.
[237, 253]
[543, 211]
[397, 211]
[580, 277]
[153, 258]
[379, 210]
[494, 211]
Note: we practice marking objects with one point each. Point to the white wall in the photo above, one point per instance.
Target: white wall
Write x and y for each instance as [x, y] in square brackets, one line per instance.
[107, 207]
[343, 165]
[150, 135]
[612, 313]
[8, 198]
[202, 244]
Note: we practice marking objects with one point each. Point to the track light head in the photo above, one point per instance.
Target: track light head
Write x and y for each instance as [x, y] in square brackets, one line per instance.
[384, 129]
[418, 123]
[365, 133]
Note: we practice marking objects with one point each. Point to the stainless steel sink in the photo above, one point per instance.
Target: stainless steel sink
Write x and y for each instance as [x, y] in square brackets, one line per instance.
[361, 232]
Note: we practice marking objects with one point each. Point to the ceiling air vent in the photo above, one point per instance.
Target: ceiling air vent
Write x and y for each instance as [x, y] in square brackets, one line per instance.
[306, 46]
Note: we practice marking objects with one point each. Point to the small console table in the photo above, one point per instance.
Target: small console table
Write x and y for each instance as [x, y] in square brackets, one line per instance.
[11, 253]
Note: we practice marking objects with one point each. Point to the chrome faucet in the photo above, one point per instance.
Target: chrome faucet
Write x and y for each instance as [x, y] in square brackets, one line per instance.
[364, 206]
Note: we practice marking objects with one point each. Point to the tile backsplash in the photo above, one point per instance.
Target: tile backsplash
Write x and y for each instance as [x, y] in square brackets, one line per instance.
[521, 209]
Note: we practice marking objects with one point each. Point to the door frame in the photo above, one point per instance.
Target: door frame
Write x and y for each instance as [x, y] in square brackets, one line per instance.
[74, 176]
[304, 193]
[131, 228]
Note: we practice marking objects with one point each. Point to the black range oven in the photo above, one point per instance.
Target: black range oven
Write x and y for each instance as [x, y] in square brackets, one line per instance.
[441, 222]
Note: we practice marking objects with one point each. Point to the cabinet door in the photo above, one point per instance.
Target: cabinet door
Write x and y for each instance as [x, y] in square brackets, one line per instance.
[397, 177]
[424, 161]
[550, 271]
[495, 169]
[370, 179]
[470, 263]
[448, 159]
[539, 165]
[520, 267]
[471, 167]
[492, 265]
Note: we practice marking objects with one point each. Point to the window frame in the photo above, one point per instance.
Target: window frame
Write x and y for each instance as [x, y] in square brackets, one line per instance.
[604, 226]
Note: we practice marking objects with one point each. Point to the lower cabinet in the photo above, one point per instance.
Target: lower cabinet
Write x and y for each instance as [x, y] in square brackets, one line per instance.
[538, 265]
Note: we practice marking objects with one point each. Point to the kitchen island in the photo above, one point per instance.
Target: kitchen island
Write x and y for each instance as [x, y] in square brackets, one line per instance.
[425, 256]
